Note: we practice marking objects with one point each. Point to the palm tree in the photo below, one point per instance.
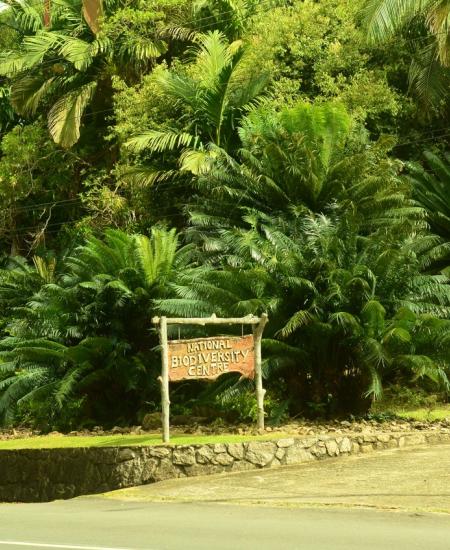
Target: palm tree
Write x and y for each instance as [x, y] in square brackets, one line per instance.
[346, 313]
[211, 95]
[430, 70]
[65, 68]
[87, 332]
[303, 159]
[19, 281]
[324, 234]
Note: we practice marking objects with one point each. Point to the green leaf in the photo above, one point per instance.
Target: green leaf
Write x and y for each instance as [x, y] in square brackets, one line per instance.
[64, 118]
[298, 320]
[160, 141]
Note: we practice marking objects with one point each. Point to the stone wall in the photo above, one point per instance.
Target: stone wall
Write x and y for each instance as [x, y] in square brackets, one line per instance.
[37, 475]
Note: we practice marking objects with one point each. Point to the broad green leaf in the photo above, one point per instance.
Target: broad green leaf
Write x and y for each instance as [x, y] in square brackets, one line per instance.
[64, 118]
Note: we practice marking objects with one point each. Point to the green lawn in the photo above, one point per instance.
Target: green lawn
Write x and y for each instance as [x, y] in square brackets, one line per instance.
[58, 442]
[438, 413]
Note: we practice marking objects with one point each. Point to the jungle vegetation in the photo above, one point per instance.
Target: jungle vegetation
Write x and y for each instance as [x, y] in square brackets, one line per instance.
[185, 157]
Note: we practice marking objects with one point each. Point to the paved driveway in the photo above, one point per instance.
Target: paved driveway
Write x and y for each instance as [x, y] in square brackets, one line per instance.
[408, 479]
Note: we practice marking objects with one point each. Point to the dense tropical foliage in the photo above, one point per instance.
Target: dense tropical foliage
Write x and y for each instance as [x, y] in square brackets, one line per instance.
[185, 157]
[430, 67]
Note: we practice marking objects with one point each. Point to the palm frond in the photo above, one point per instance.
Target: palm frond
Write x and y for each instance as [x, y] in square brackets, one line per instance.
[64, 118]
[160, 141]
[383, 18]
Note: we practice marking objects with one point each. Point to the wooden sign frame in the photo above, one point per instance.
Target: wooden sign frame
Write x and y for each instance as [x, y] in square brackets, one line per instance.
[257, 323]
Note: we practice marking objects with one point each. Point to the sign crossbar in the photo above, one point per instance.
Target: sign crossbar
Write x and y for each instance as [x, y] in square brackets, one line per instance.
[213, 320]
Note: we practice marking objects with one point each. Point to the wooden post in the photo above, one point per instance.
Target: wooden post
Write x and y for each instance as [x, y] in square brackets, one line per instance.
[164, 380]
[260, 392]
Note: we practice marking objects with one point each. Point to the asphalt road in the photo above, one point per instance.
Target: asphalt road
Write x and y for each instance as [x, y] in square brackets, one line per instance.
[89, 523]
[368, 502]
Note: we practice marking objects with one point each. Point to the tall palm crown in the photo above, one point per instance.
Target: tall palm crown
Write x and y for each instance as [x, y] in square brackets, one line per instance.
[211, 94]
[62, 67]
[232, 17]
[430, 70]
[319, 229]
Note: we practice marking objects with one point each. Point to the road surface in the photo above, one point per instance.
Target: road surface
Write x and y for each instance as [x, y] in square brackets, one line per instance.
[319, 506]
[109, 524]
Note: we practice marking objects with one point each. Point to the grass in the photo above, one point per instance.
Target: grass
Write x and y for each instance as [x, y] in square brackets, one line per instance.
[62, 442]
[424, 414]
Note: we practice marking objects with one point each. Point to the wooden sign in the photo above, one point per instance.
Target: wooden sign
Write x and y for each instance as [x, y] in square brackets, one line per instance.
[208, 358]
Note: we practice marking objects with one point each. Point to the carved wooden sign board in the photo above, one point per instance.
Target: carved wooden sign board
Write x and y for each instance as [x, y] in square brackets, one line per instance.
[209, 358]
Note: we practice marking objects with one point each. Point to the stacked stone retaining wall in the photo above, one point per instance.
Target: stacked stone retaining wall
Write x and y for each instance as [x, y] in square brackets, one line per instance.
[38, 475]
